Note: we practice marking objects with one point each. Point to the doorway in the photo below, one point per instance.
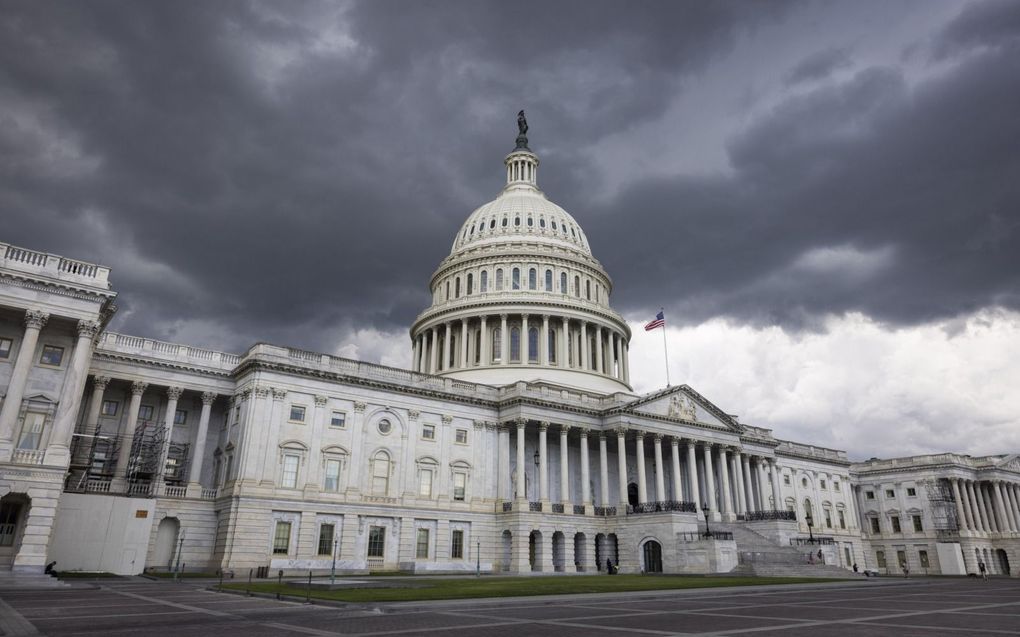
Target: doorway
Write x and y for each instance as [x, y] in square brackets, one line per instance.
[652, 557]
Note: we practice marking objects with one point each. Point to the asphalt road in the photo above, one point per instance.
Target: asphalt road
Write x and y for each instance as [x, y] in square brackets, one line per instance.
[904, 608]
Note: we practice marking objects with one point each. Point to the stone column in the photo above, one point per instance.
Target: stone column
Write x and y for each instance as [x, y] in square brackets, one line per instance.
[979, 521]
[543, 341]
[987, 509]
[415, 353]
[1014, 506]
[777, 493]
[642, 483]
[543, 462]
[968, 506]
[738, 479]
[522, 495]
[625, 360]
[599, 362]
[99, 384]
[585, 470]
[747, 487]
[585, 357]
[434, 350]
[562, 343]
[660, 478]
[484, 339]
[763, 479]
[447, 341]
[34, 322]
[525, 341]
[503, 463]
[678, 490]
[120, 473]
[504, 341]
[173, 394]
[1007, 520]
[463, 343]
[692, 474]
[195, 474]
[604, 468]
[58, 451]
[564, 467]
[725, 495]
[621, 460]
[612, 355]
[713, 507]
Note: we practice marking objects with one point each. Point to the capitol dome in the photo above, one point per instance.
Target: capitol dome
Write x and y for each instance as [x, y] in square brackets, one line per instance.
[521, 297]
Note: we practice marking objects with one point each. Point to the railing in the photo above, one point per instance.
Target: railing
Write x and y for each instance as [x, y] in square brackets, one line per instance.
[605, 511]
[97, 485]
[665, 505]
[378, 499]
[557, 508]
[578, 509]
[210, 494]
[759, 516]
[175, 492]
[162, 349]
[139, 488]
[28, 456]
[811, 541]
[508, 507]
[57, 266]
[7, 532]
[535, 506]
[697, 536]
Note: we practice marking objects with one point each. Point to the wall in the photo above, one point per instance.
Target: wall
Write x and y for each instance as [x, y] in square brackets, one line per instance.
[101, 533]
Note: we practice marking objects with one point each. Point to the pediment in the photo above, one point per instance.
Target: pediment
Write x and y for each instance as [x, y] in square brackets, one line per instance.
[1009, 463]
[682, 404]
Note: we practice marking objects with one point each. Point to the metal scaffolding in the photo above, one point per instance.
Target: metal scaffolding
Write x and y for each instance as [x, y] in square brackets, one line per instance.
[942, 506]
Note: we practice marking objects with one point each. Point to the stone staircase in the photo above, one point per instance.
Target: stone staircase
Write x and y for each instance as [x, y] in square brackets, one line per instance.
[11, 580]
[763, 557]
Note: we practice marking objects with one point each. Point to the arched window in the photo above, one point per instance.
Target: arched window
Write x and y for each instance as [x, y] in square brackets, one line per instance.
[541, 222]
[563, 282]
[532, 279]
[478, 346]
[456, 288]
[517, 221]
[504, 221]
[533, 344]
[470, 283]
[380, 473]
[483, 282]
[553, 225]
[492, 224]
[577, 286]
[499, 279]
[531, 222]
[548, 280]
[515, 344]
[447, 291]
[587, 289]
[516, 279]
[552, 346]
[497, 343]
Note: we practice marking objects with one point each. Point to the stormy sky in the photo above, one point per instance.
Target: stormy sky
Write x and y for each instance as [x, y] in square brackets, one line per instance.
[824, 196]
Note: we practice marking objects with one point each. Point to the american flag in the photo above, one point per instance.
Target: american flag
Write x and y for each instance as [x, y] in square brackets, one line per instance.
[659, 321]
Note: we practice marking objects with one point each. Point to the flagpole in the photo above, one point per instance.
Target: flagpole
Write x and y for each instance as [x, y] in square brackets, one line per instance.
[665, 350]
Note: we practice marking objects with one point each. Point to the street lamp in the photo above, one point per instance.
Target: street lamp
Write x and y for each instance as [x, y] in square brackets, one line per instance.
[704, 509]
[332, 571]
[810, 522]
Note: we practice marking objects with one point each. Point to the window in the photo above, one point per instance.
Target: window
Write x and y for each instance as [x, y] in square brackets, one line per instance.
[874, 525]
[326, 539]
[552, 346]
[180, 417]
[587, 289]
[515, 344]
[381, 473]
[384, 426]
[835, 485]
[290, 470]
[911, 492]
[5, 347]
[51, 355]
[456, 288]
[786, 480]
[533, 344]
[461, 436]
[880, 558]
[421, 550]
[338, 419]
[822, 482]
[923, 556]
[470, 283]
[297, 413]
[109, 408]
[457, 544]
[577, 286]
[425, 483]
[32, 431]
[828, 519]
[145, 412]
[548, 281]
[531, 221]
[803, 482]
[532, 279]
[428, 432]
[9, 512]
[447, 297]
[901, 558]
[459, 486]
[331, 479]
[376, 541]
[515, 281]
[917, 523]
[499, 279]
[889, 493]
[870, 495]
[842, 519]
[281, 538]
[483, 282]
[497, 343]
[563, 282]
[896, 524]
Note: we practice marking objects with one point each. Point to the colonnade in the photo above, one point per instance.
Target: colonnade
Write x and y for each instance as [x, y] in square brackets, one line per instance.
[506, 339]
[725, 479]
[987, 506]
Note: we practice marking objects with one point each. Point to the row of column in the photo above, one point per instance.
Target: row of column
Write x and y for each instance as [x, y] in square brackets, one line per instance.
[58, 449]
[433, 348]
[743, 477]
[987, 506]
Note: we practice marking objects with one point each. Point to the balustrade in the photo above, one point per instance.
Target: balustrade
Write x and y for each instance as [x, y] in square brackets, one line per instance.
[665, 505]
[758, 516]
[28, 456]
[605, 511]
[697, 536]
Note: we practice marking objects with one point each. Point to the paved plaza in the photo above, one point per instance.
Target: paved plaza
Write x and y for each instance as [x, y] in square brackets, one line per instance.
[928, 607]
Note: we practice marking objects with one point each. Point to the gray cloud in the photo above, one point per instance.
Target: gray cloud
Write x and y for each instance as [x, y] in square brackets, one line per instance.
[820, 65]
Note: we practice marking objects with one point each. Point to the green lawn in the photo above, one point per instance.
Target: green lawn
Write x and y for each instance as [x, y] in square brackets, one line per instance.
[463, 588]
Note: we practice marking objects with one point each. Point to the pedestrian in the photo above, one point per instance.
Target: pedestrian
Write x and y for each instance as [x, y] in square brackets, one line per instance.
[609, 566]
[984, 572]
[906, 570]
[821, 558]
[855, 567]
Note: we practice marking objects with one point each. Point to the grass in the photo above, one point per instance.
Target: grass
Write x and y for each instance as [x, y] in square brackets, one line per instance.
[83, 574]
[469, 588]
[166, 575]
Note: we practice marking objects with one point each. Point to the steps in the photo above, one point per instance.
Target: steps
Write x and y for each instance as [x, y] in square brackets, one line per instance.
[760, 556]
[11, 580]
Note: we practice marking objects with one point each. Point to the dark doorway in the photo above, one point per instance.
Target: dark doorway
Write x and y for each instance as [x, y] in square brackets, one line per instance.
[632, 492]
[653, 557]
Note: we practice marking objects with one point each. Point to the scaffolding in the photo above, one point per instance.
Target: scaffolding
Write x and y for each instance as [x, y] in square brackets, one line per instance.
[147, 451]
[93, 457]
[942, 505]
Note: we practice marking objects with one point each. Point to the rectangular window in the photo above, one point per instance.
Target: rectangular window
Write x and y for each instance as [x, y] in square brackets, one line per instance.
[483, 282]
[338, 420]
[896, 524]
[842, 519]
[923, 556]
[51, 355]
[870, 495]
[297, 413]
[422, 547]
[786, 479]
[917, 523]
[290, 469]
[109, 408]
[889, 493]
[457, 545]
[32, 431]
[880, 558]
[376, 541]
[901, 558]
[180, 417]
[428, 432]
[874, 525]
[5, 347]
[9, 512]
[145, 412]
[532, 279]
[281, 538]
[326, 539]
[459, 486]
[548, 281]
[515, 281]
[828, 519]
[331, 481]
[835, 485]
[425, 483]
[461, 437]
[822, 483]
[911, 492]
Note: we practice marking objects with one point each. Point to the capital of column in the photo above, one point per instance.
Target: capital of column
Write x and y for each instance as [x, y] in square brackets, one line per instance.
[639, 434]
[621, 432]
[657, 438]
[36, 318]
[208, 398]
[279, 394]
[173, 393]
[87, 328]
[503, 317]
[138, 387]
[545, 317]
[320, 401]
[446, 418]
[100, 382]
[565, 429]
[674, 441]
[360, 406]
[520, 422]
[412, 414]
[543, 425]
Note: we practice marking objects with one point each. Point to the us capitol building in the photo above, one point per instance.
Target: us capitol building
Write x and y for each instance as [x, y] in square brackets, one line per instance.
[514, 443]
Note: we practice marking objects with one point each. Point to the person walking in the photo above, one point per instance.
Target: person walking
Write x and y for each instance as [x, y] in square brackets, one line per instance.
[984, 571]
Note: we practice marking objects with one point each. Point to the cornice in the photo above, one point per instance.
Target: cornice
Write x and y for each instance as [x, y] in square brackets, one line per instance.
[62, 288]
[161, 364]
[509, 306]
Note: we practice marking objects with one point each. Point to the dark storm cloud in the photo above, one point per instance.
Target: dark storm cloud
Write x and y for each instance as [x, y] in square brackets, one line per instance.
[819, 65]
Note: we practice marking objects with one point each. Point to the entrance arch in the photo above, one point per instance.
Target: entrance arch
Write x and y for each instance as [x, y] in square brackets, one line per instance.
[559, 552]
[1003, 561]
[632, 494]
[580, 552]
[166, 542]
[14, 508]
[535, 550]
[508, 547]
[600, 551]
[651, 556]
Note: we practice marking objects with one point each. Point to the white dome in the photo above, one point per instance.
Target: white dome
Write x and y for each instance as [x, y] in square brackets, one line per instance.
[521, 212]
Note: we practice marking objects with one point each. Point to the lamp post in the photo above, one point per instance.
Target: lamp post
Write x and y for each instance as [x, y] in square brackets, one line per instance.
[538, 460]
[704, 509]
[478, 558]
[810, 522]
[180, 547]
[332, 571]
